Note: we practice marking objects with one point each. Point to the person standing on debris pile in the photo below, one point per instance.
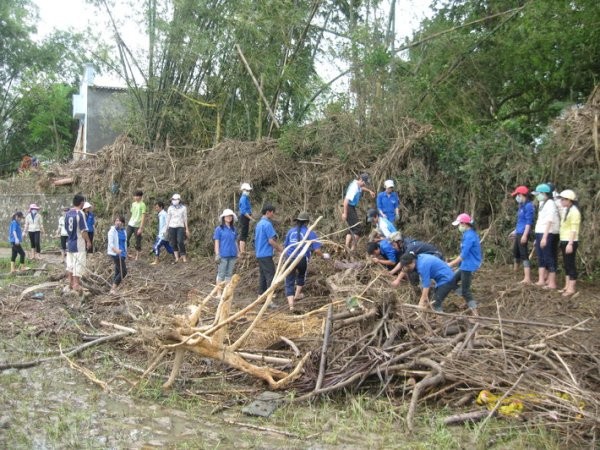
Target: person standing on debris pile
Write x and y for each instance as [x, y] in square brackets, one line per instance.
[34, 226]
[569, 239]
[15, 238]
[469, 260]
[245, 210]
[408, 244]
[265, 242]
[161, 236]
[61, 232]
[349, 213]
[521, 233]
[177, 224]
[383, 227]
[383, 252]
[77, 242]
[117, 250]
[547, 228]
[388, 202]
[296, 279]
[226, 245]
[90, 219]
[430, 268]
[136, 222]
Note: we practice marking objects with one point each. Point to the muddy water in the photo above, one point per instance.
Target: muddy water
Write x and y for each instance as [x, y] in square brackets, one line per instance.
[52, 407]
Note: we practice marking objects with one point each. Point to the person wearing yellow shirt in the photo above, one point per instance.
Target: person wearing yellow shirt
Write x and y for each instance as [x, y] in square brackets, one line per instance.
[570, 222]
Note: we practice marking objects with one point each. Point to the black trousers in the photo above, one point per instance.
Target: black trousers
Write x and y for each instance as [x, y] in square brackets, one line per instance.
[17, 250]
[36, 241]
[120, 269]
[266, 268]
[132, 231]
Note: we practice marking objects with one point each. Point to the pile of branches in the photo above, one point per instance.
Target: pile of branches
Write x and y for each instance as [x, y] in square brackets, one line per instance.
[532, 370]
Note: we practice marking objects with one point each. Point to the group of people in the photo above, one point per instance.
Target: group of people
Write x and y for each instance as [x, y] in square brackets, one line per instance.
[557, 226]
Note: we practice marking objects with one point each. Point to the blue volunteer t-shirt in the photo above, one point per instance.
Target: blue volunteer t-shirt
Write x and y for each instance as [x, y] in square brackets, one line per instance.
[353, 193]
[244, 204]
[430, 268]
[90, 221]
[15, 227]
[525, 215]
[75, 224]
[226, 237]
[388, 251]
[470, 251]
[122, 242]
[293, 237]
[387, 204]
[263, 232]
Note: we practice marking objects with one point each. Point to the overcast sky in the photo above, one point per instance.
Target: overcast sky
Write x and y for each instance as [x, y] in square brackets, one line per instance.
[77, 15]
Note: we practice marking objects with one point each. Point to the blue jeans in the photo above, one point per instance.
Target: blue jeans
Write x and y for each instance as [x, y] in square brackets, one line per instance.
[177, 239]
[120, 269]
[465, 278]
[225, 269]
[296, 277]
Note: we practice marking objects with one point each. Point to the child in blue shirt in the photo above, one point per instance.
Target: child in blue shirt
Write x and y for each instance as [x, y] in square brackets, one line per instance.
[469, 259]
[15, 238]
[245, 209]
[90, 220]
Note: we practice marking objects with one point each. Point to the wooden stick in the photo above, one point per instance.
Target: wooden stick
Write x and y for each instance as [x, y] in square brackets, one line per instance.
[495, 319]
[323, 362]
[257, 427]
[472, 416]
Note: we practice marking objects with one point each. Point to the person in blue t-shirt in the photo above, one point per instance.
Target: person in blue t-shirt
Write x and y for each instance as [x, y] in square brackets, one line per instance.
[265, 241]
[15, 238]
[384, 253]
[117, 250]
[430, 268]
[77, 242]
[226, 246]
[522, 231]
[388, 202]
[245, 210]
[408, 244]
[383, 227]
[349, 213]
[469, 260]
[90, 220]
[296, 279]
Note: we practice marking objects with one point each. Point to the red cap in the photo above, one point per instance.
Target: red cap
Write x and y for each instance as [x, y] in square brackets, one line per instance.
[520, 190]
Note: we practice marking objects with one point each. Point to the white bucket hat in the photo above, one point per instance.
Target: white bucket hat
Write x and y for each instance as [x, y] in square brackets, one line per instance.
[176, 197]
[388, 184]
[87, 205]
[228, 212]
[245, 187]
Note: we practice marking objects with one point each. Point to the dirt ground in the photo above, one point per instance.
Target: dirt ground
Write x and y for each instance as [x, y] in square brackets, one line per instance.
[153, 294]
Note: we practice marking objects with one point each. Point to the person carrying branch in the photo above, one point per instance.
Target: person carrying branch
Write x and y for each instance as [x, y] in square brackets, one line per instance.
[349, 213]
[296, 279]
